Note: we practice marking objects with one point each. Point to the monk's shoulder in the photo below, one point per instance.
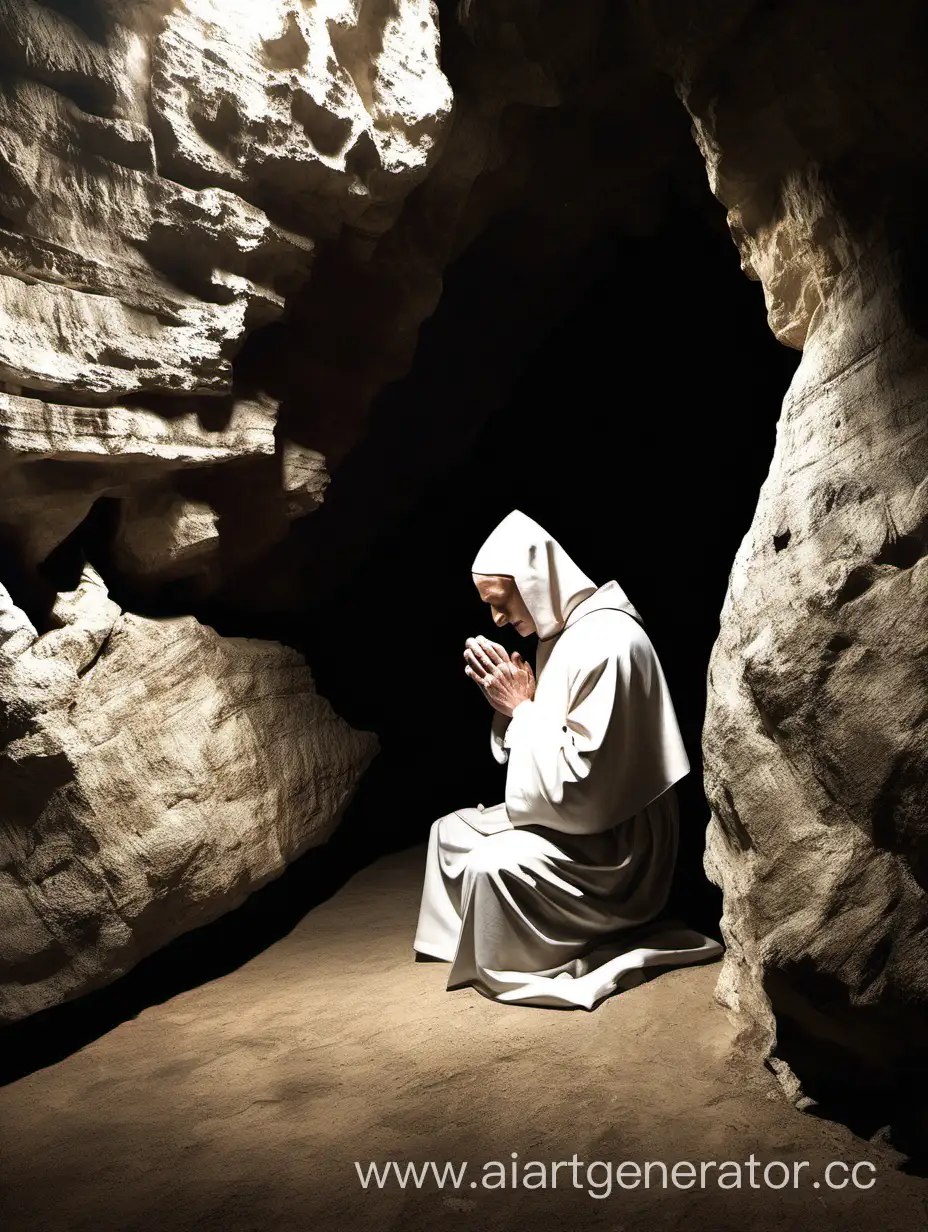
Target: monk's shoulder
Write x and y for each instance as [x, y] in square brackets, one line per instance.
[606, 633]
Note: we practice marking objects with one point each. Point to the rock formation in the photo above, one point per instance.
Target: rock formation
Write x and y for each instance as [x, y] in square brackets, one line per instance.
[810, 120]
[167, 173]
[153, 774]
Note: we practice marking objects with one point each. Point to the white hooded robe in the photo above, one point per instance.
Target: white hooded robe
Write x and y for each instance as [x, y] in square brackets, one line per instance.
[551, 898]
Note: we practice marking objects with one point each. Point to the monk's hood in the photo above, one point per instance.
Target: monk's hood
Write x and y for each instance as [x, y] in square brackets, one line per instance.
[554, 588]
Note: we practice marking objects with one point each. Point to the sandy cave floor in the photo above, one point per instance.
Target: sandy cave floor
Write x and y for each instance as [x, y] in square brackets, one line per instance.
[245, 1102]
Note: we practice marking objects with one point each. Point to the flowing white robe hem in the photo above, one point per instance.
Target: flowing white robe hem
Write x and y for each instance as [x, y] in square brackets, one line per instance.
[577, 917]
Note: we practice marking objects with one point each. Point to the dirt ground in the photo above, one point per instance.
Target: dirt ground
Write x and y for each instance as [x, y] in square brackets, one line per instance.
[245, 1103]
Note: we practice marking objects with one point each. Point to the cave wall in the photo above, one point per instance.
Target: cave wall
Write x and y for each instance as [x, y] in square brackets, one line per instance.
[811, 123]
[167, 175]
[153, 775]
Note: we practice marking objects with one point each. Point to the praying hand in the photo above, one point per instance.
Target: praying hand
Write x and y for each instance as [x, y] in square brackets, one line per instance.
[506, 682]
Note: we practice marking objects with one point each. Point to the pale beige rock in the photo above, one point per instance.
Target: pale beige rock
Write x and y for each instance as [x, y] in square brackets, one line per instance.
[167, 173]
[55, 460]
[795, 254]
[811, 121]
[117, 280]
[334, 107]
[153, 775]
[818, 713]
[163, 533]
[305, 478]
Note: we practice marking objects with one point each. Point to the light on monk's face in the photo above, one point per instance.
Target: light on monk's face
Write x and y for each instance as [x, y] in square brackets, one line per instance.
[506, 604]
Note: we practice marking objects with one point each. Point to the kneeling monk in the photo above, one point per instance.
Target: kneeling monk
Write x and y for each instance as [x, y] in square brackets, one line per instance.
[551, 897]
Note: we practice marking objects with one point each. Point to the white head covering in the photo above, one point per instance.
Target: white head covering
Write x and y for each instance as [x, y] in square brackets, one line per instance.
[550, 583]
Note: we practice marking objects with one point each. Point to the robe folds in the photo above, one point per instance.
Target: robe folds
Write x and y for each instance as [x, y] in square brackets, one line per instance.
[553, 897]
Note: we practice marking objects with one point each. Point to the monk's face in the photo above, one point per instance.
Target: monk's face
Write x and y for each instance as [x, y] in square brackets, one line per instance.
[507, 606]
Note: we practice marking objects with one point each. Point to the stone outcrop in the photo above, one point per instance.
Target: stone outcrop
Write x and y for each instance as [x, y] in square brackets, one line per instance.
[153, 774]
[810, 121]
[169, 173]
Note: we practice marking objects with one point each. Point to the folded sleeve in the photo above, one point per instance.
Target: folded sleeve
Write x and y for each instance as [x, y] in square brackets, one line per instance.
[553, 778]
[498, 729]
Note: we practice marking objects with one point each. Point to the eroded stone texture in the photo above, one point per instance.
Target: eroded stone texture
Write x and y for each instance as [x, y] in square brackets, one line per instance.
[818, 703]
[57, 460]
[810, 119]
[167, 173]
[153, 774]
[169, 170]
[330, 110]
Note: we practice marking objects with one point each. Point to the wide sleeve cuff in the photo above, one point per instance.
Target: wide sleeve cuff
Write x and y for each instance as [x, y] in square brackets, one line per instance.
[521, 717]
[497, 736]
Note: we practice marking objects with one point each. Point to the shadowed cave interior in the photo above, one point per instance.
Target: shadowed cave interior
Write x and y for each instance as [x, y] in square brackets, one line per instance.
[638, 431]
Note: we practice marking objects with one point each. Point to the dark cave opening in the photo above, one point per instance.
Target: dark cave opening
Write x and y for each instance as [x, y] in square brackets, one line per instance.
[638, 434]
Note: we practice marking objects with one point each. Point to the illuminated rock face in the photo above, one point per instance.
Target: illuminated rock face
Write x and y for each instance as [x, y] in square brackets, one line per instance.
[153, 775]
[168, 173]
[817, 726]
[817, 722]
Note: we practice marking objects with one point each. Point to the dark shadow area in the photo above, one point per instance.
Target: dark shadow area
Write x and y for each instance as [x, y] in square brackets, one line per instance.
[843, 1053]
[639, 435]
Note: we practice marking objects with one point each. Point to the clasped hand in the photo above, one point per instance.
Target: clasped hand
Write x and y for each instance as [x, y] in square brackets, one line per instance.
[504, 681]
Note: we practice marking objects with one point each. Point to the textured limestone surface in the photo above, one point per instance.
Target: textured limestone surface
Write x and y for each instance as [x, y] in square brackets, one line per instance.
[167, 174]
[818, 706]
[153, 774]
[57, 460]
[810, 122]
